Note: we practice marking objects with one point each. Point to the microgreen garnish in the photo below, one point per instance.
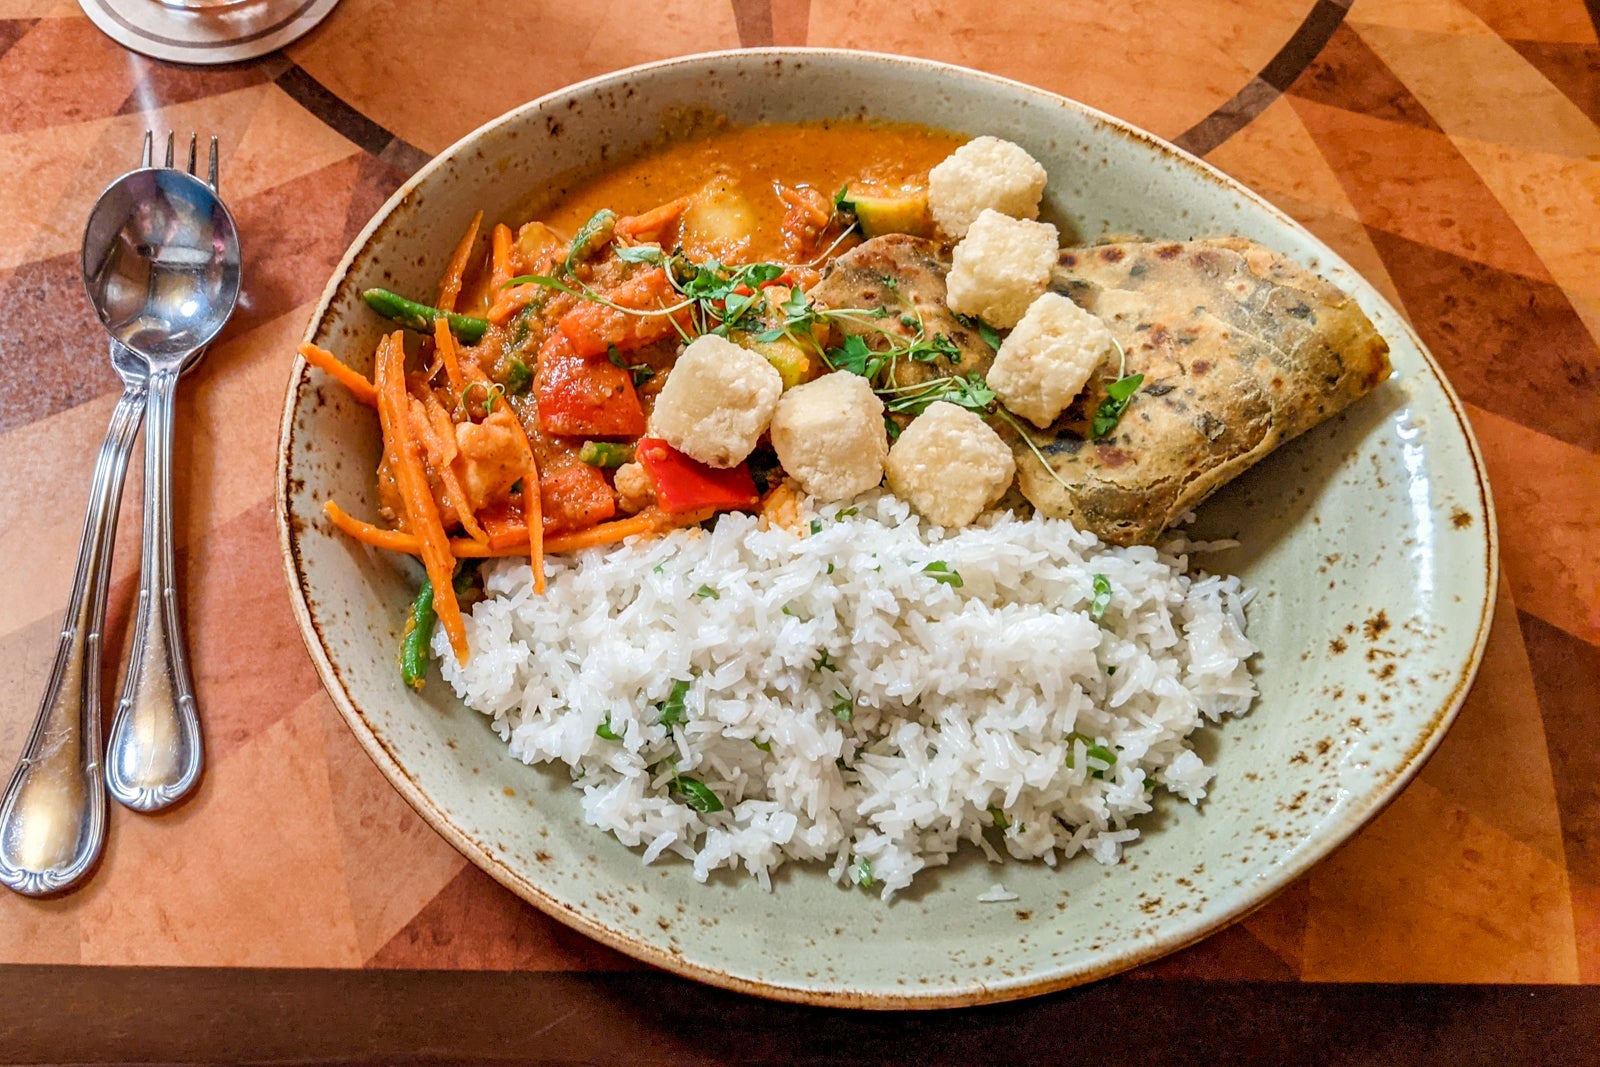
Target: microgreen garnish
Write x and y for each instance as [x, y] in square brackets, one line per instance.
[1097, 757]
[641, 254]
[606, 731]
[999, 817]
[824, 662]
[940, 571]
[1102, 597]
[863, 872]
[765, 746]
[705, 592]
[816, 526]
[844, 705]
[491, 392]
[1119, 394]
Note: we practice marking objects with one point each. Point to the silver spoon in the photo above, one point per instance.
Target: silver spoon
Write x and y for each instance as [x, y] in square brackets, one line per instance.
[161, 263]
[53, 811]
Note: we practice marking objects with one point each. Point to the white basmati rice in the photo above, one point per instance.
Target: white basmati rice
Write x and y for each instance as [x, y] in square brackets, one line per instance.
[849, 702]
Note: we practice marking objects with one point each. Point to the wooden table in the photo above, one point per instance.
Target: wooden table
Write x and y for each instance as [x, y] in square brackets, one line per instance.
[297, 908]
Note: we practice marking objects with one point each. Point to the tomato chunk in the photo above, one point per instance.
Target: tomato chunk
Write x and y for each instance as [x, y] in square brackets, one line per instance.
[593, 329]
[575, 499]
[585, 397]
[685, 484]
[572, 499]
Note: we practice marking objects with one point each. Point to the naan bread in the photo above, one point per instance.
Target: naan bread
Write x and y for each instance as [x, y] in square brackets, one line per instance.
[1241, 349]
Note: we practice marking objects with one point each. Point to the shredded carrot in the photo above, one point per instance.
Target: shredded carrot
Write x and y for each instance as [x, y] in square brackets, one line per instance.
[355, 381]
[368, 534]
[510, 301]
[502, 269]
[450, 284]
[444, 342]
[422, 511]
[533, 511]
[652, 222]
[607, 533]
[442, 444]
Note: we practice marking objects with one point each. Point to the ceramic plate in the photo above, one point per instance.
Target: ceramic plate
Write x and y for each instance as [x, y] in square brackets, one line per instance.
[1370, 541]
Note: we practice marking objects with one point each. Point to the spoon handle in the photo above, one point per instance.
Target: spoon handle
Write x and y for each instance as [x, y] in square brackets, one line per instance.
[53, 812]
[153, 755]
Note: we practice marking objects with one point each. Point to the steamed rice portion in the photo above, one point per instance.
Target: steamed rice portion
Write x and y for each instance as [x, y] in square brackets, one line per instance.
[868, 693]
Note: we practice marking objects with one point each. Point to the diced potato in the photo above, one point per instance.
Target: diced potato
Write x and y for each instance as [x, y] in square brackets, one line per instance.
[536, 242]
[717, 222]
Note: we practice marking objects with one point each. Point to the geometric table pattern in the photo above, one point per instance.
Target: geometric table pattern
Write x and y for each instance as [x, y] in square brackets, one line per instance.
[1449, 149]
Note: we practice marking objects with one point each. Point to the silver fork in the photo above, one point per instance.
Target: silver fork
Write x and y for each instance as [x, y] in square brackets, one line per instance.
[53, 811]
[154, 750]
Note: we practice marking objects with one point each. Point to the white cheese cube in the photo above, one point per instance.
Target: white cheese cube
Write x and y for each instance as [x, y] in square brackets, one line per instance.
[1048, 358]
[1001, 267]
[949, 465]
[986, 172]
[717, 401]
[829, 436]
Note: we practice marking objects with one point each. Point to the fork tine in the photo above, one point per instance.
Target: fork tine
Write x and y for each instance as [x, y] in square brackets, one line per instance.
[148, 155]
[193, 140]
[212, 176]
[170, 142]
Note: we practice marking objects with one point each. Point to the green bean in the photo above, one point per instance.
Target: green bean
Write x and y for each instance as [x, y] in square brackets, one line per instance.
[421, 317]
[605, 453]
[418, 638]
[420, 620]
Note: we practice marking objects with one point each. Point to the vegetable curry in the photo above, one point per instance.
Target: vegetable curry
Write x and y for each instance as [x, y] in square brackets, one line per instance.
[519, 425]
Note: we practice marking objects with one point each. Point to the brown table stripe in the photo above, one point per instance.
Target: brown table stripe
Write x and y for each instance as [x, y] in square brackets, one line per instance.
[348, 121]
[54, 1014]
[1275, 78]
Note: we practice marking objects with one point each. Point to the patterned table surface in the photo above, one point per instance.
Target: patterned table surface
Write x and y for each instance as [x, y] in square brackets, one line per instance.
[1447, 148]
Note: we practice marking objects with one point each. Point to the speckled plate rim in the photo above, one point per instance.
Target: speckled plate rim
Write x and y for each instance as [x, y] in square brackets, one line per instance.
[1180, 935]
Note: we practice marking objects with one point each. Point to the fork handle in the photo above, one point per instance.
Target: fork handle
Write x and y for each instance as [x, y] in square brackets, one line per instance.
[153, 755]
[53, 812]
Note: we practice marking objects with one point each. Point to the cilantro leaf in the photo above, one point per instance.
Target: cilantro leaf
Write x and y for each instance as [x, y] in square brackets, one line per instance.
[1119, 394]
[940, 571]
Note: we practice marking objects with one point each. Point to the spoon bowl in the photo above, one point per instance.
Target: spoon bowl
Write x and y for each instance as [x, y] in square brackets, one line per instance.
[161, 263]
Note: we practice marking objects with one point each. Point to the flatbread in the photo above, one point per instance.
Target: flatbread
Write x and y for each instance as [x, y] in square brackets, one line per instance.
[1241, 350]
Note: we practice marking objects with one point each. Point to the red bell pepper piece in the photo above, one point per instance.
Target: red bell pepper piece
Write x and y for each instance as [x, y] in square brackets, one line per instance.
[581, 397]
[593, 329]
[683, 483]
